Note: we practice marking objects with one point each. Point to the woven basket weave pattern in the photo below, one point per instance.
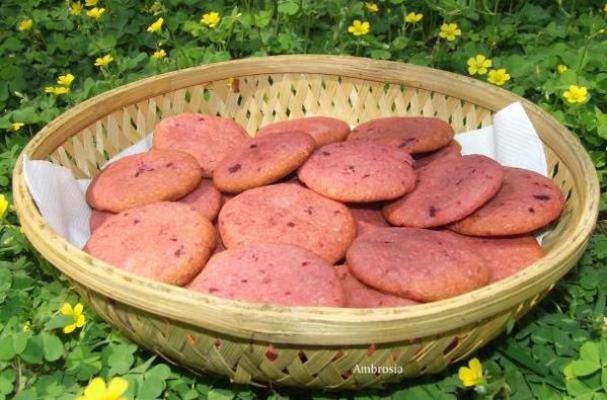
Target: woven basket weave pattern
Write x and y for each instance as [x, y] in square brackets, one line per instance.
[253, 344]
[248, 362]
[260, 100]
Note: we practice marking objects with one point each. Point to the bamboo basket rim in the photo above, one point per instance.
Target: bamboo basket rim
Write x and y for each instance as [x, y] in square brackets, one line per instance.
[301, 325]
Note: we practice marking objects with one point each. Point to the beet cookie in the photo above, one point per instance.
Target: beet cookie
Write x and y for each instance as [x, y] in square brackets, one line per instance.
[453, 149]
[447, 191]
[208, 138]
[165, 241]
[263, 161]
[205, 199]
[359, 171]
[144, 178]
[278, 274]
[413, 134]
[417, 264]
[368, 217]
[506, 256]
[97, 218]
[359, 295]
[324, 130]
[291, 214]
[527, 201]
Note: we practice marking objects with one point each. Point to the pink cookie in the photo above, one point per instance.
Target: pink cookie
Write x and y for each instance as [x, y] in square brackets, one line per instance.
[97, 218]
[368, 217]
[263, 161]
[324, 130]
[206, 137]
[413, 134]
[139, 179]
[506, 256]
[447, 191]
[453, 149]
[359, 295]
[165, 241]
[359, 171]
[205, 199]
[417, 264]
[271, 274]
[526, 201]
[290, 214]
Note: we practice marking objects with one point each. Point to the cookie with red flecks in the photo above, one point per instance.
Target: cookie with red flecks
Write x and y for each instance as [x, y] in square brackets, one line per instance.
[453, 149]
[206, 137]
[413, 134]
[368, 217]
[447, 191]
[290, 214]
[277, 274]
[263, 161]
[324, 130]
[359, 171]
[139, 179]
[526, 201]
[506, 256]
[359, 295]
[205, 199]
[165, 241]
[418, 264]
[97, 218]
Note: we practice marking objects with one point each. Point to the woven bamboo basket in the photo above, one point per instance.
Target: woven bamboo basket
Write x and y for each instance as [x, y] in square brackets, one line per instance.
[302, 346]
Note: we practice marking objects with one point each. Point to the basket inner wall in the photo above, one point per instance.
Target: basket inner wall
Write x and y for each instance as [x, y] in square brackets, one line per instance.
[256, 100]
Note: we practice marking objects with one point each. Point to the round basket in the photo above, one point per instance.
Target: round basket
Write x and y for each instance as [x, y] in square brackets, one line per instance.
[302, 346]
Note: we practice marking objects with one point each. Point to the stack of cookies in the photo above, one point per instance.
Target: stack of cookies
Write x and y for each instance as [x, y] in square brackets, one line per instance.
[309, 213]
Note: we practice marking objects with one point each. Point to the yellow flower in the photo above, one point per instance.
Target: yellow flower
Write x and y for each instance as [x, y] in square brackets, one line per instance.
[478, 64]
[156, 26]
[154, 8]
[605, 8]
[561, 68]
[449, 31]
[15, 126]
[472, 375]
[65, 80]
[98, 390]
[498, 76]
[103, 61]
[576, 94]
[91, 3]
[412, 17]
[159, 54]
[25, 25]
[76, 314]
[3, 206]
[372, 7]
[359, 28]
[27, 327]
[57, 90]
[95, 13]
[75, 8]
[210, 19]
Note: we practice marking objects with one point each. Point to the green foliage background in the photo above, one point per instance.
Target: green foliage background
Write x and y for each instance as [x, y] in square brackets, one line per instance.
[558, 351]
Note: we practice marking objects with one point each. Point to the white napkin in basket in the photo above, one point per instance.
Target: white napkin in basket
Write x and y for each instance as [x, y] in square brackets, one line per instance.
[511, 140]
